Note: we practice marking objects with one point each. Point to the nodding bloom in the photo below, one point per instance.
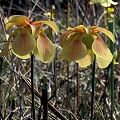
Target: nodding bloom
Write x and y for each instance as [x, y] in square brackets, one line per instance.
[29, 38]
[104, 3]
[82, 44]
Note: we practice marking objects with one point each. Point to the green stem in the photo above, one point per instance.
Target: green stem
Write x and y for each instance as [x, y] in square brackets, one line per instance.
[32, 87]
[93, 91]
[111, 26]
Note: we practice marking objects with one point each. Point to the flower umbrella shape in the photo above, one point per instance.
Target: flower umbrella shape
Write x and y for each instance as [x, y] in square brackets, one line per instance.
[82, 44]
[29, 38]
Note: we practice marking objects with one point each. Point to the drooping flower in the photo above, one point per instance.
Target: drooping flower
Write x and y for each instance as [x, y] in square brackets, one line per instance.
[104, 3]
[29, 38]
[82, 44]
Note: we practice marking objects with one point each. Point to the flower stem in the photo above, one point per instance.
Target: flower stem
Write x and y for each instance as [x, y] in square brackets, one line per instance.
[77, 66]
[93, 91]
[32, 86]
[111, 26]
[67, 25]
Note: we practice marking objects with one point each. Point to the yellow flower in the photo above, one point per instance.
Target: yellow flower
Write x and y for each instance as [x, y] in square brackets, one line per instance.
[29, 38]
[81, 44]
[104, 3]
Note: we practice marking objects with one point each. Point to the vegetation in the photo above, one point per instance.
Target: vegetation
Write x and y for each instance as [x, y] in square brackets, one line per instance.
[59, 60]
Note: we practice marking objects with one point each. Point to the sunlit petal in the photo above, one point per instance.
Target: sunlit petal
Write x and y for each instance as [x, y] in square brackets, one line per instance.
[22, 57]
[115, 62]
[35, 26]
[12, 35]
[75, 50]
[9, 25]
[38, 56]
[113, 3]
[106, 32]
[100, 49]
[94, 1]
[93, 27]
[52, 24]
[70, 28]
[24, 43]
[108, 3]
[80, 29]
[103, 63]
[105, 3]
[87, 60]
[17, 20]
[63, 37]
[45, 50]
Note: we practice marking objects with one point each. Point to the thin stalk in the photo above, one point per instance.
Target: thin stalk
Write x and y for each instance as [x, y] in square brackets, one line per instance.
[93, 72]
[53, 62]
[32, 87]
[86, 9]
[77, 67]
[111, 27]
[106, 82]
[67, 25]
[54, 73]
[93, 90]
[78, 88]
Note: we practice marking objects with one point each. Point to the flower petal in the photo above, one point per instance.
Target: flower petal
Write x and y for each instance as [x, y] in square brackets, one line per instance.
[103, 63]
[52, 24]
[94, 1]
[35, 26]
[24, 43]
[100, 49]
[63, 37]
[113, 3]
[9, 25]
[105, 3]
[22, 57]
[93, 27]
[108, 3]
[45, 50]
[75, 50]
[80, 29]
[17, 20]
[87, 60]
[106, 32]
[13, 35]
[87, 39]
[38, 56]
